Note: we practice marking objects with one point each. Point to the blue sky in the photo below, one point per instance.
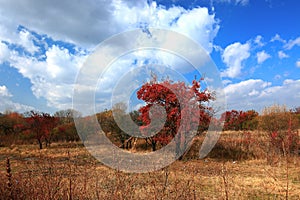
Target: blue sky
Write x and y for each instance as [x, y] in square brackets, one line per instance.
[254, 43]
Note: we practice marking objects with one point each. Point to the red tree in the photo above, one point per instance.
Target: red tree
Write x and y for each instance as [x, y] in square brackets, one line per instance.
[173, 97]
[9, 121]
[40, 125]
[65, 132]
[240, 120]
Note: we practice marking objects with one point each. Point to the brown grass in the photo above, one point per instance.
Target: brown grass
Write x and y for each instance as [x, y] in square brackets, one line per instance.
[68, 171]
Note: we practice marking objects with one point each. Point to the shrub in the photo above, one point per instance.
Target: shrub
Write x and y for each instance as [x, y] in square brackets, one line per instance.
[280, 126]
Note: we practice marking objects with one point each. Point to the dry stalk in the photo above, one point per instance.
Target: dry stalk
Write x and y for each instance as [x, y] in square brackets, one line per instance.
[225, 180]
[70, 176]
[9, 177]
[97, 187]
[166, 181]
[117, 184]
[194, 192]
[285, 154]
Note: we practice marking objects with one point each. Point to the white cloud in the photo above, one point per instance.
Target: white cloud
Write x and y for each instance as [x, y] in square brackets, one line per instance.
[262, 56]
[134, 74]
[226, 82]
[282, 55]
[4, 91]
[196, 23]
[298, 63]
[88, 23]
[289, 93]
[277, 38]
[256, 94]
[233, 56]
[253, 93]
[292, 43]
[245, 87]
[258, 41]
[26, 40]
[80, 22]
[243, 95]
[8, 104]
[218, 48]
[4, 52]
[52, 78]
[85, 24]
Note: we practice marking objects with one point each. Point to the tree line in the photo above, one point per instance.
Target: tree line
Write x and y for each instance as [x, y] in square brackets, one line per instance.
[44, 128]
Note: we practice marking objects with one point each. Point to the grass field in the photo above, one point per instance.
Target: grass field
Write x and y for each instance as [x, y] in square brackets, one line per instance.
[232, 170]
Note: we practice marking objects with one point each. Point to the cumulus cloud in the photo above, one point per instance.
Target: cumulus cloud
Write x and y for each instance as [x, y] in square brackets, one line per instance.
[196, 23]
[262, 56]
[289, 93]
[90, 22]
[233, 56]
[84, 24]
[80, 22]
[8, 104]
[52, 78]
[4, 91]
[292, 43]
[226, 82]
[282, 55]
[277, 37]
[243, 95]
[257, 93]
[244, 88]
[26, 41]
[4, 52]
[258, 41]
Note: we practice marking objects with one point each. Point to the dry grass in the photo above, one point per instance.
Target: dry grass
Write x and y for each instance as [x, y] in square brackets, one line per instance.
[67, 171]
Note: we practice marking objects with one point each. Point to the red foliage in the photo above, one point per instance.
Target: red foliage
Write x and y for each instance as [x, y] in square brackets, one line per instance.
[240, 120]
[66, 132]
[62, 128]
[173, 97]
[9, 121]
[287, 141]
[40, 125]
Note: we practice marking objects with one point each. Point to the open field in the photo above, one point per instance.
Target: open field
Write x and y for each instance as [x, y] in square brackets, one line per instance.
[68, 171]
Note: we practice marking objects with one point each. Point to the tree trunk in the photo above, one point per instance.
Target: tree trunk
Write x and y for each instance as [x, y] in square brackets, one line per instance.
[153, 143]
[40, 143]
[122, 140]
[48, 142]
